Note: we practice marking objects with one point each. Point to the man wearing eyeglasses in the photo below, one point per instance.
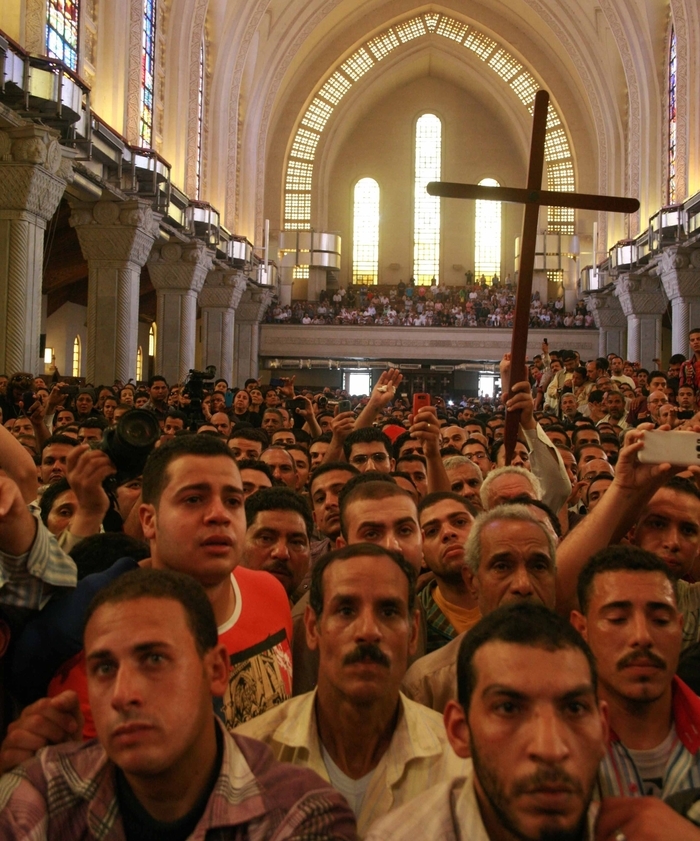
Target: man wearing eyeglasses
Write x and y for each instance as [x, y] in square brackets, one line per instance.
[477, 452]
[369, 449]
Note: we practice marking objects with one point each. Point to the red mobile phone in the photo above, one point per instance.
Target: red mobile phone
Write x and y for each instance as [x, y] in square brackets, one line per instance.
[420, 401]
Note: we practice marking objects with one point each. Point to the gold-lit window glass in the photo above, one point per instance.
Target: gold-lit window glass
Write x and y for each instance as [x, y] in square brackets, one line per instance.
[487, 235]
[365, 243]
[426, 224]
[139, 364]
[77, 356]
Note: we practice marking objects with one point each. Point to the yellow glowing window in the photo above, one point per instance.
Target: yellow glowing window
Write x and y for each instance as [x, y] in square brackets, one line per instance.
[317, 115]
[383, 44]
[358, 64]
[335, 88]
[504, 64]
[560, 176]
[431, 21]
[452, 29]
[525, 87]
[139, 364]
[560, 220]
[426, 225]
[77, 356]
[300, 273]
[487, 235]
[299, 175]
[480, 44]
[152, 340]
[365, 242]
[297, 207]
[556, 146]
[305, 144]
[410, 29]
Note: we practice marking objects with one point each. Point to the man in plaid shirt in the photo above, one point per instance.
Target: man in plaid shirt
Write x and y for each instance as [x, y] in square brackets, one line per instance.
[162, 765]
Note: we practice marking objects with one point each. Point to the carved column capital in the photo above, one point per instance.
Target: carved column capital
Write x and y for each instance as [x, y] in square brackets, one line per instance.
[640, 294]
[115, 231]
[679, 269]
[223, 288]
[179, 266]
[606, 310]
[254, 302]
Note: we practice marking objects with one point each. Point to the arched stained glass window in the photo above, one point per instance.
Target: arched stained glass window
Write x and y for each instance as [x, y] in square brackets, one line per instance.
[365, 242]
[426, 224]
[487, 235]
[152, 340]
[77, 356]
[200, 117]
[62, 31]
[139, 364]
[672, 125]
[148, 72]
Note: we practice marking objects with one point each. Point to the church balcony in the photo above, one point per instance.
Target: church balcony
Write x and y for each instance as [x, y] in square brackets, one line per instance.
[429, 345]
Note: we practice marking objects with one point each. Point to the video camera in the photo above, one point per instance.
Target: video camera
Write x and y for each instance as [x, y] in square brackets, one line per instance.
[193, 387]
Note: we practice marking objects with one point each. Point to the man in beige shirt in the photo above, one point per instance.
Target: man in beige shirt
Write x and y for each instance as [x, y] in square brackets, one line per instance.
[357, 730]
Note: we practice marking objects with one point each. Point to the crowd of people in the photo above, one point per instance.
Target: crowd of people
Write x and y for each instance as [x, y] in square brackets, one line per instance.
[273, 612]
[427, 306]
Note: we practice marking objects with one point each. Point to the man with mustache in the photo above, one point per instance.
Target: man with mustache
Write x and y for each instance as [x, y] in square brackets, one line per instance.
[356, 729]
[629, 616]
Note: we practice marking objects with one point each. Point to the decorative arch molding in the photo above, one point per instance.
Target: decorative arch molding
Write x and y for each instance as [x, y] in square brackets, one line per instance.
[301, 157]
[35, 26]
[198, 32]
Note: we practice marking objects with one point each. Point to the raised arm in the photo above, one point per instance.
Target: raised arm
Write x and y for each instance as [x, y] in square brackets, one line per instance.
[425, 428]
[382, 394]
[18, 465]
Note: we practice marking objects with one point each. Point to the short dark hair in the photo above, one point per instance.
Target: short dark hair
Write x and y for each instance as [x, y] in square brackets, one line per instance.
[156, 378]
[367, 435]
[278, 499]
[618, 558]
[526, 624]
[49, 497]
[94, 422]
[579, 449]
[164, 584]
[59, 439]
[368, 485]
[249, 433]
[327, 466]
[176, 414]
[413, 457]
[654, 374]
[253, 464]
[99, 551]
[681, 485]
[357, 550]
[155, 476]
[438, 496]
[323, 438]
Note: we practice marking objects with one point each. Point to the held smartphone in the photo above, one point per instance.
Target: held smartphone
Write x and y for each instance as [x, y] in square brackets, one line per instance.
[344, 406]
[229, 399]
[420, 401]
[681, 448]
[276, 382]
[28, 400]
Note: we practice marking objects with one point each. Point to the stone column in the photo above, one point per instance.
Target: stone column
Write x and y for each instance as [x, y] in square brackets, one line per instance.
[609, 319]
[679, 270]
[178, 271]
[643, 302]
[33, 176]
[218, 301]
[249, 314]
[116, 238]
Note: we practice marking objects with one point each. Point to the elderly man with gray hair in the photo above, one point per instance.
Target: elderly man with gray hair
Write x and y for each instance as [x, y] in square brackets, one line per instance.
[510, 556]
[507, 483]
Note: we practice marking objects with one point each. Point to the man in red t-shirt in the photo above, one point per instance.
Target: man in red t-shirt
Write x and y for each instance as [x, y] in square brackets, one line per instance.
[193, 517]
[690, 370]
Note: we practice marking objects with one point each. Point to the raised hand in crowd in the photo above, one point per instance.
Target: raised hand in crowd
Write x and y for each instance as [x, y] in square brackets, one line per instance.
[383, 393]
[17, 525]
[425, 428]
[86, 470]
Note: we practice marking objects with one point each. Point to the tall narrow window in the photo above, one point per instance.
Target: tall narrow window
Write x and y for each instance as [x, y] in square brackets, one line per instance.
[139, 364]
[672, 125]
[487, 236]
[365, 243]
[148, 72]
[200, 118]
[426, 225]
[152, 340]
[62, 31]
[77, 356]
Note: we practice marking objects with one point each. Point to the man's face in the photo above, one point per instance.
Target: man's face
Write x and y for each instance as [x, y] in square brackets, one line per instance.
[108, 408]
[128, 494]
[324, 498]
[570, 364]
[222, 422]
[657, 383]
[199, 524]
[521, 457]
[477, 453]
[253, 480]
[569, 405]
[587, 436]
[654, 401]
[365, 634]
[242, 448]
[569, 460]
[272, 398]
[674, 370]
[64, 417]
[3, 384]
[496, 428]
[411, 447]
[371, 455]
[635, 632]
[615, 405]
[616, 365]
[149, 688]
[453, 436]
[326, 423]
[84, 404]
[667, 414]
[53, 463]
[466, 480]
[695, 342]
[276, 542]
[686, 396]
[596, 492]
[173, 425]
[283, 437]
[514, 565]
[417, 472]
[86, 436]
[445, 526]
[282, 466]
[670, 528]
[508, 486]
[22, 426]
[62, 511]
[590, 453]
[391, 523]
[536, 737]
[301, 462]
[604, 384]
[158, 392]
[271, 422]
[591, 371]
[317, 452]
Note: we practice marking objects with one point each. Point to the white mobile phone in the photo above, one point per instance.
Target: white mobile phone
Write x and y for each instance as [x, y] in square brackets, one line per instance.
[681, 448]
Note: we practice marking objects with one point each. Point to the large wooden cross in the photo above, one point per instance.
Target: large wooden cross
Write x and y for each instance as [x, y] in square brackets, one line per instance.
[533, 197]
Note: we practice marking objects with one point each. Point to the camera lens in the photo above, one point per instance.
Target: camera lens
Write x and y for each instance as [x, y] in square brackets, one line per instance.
[139, 429]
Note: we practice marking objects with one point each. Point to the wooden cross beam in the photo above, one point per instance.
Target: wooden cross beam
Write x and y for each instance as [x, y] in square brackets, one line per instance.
[533, 197]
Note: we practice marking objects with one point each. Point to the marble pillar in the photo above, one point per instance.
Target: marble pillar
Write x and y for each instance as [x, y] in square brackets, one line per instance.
[249, 314]
[679, 270]
[218, 301]
[610, 321]
[643, 302]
